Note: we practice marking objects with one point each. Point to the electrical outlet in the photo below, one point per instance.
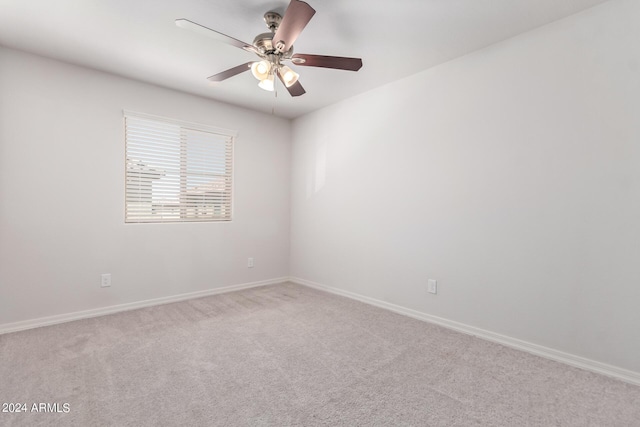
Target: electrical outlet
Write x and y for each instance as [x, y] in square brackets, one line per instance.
[250, 263]
[432, 286]
[105, 280]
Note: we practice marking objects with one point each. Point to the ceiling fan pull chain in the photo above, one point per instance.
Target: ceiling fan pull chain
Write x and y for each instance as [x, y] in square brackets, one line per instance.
[273, 106]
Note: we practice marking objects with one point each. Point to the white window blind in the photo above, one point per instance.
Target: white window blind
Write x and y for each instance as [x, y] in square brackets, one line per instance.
[176, 172]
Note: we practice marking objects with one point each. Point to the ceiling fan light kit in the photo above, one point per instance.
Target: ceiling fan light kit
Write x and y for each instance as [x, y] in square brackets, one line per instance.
[275, 47]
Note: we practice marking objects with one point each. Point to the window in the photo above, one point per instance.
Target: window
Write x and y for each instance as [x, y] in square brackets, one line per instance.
[176, 171]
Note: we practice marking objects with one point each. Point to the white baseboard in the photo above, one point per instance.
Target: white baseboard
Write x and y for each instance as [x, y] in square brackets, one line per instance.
[62, 318]
[548, 353]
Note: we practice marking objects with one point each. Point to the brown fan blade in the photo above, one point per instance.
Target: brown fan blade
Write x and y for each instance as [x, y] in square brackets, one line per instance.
[337, 62]
[295, 89]
[230, 72]
[295, 18]
[201, 29]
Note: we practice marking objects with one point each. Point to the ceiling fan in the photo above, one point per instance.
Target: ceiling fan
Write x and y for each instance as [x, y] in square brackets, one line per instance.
[276, 47]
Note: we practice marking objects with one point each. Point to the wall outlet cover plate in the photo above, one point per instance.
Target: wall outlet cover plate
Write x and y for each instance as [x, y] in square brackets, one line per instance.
[432, 286]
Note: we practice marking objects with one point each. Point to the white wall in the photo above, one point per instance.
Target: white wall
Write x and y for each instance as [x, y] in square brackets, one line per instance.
[511, 175]
[62, 195]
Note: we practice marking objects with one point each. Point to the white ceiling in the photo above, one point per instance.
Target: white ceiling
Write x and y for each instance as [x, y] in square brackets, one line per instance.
[138, 39]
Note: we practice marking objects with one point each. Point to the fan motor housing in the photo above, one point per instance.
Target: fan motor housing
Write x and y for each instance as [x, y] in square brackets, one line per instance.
[264, 43]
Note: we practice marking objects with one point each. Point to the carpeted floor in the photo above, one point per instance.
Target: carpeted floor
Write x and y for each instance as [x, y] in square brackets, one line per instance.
[289, 355]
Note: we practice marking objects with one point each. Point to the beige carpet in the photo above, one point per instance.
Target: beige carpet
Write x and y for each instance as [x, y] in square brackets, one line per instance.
[288, 355]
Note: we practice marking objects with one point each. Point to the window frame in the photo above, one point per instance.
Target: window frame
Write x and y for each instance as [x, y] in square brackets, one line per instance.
[231, 135]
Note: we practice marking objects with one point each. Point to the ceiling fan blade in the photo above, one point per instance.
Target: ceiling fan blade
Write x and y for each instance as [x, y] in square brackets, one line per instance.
[230, 72]
[336, 62]
[201, 29]
[295, 89]
[295, 18]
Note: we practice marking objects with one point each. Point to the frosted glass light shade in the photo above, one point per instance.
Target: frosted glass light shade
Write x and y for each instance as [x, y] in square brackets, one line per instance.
[260, 70]
[267, 83]
[289, 77]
